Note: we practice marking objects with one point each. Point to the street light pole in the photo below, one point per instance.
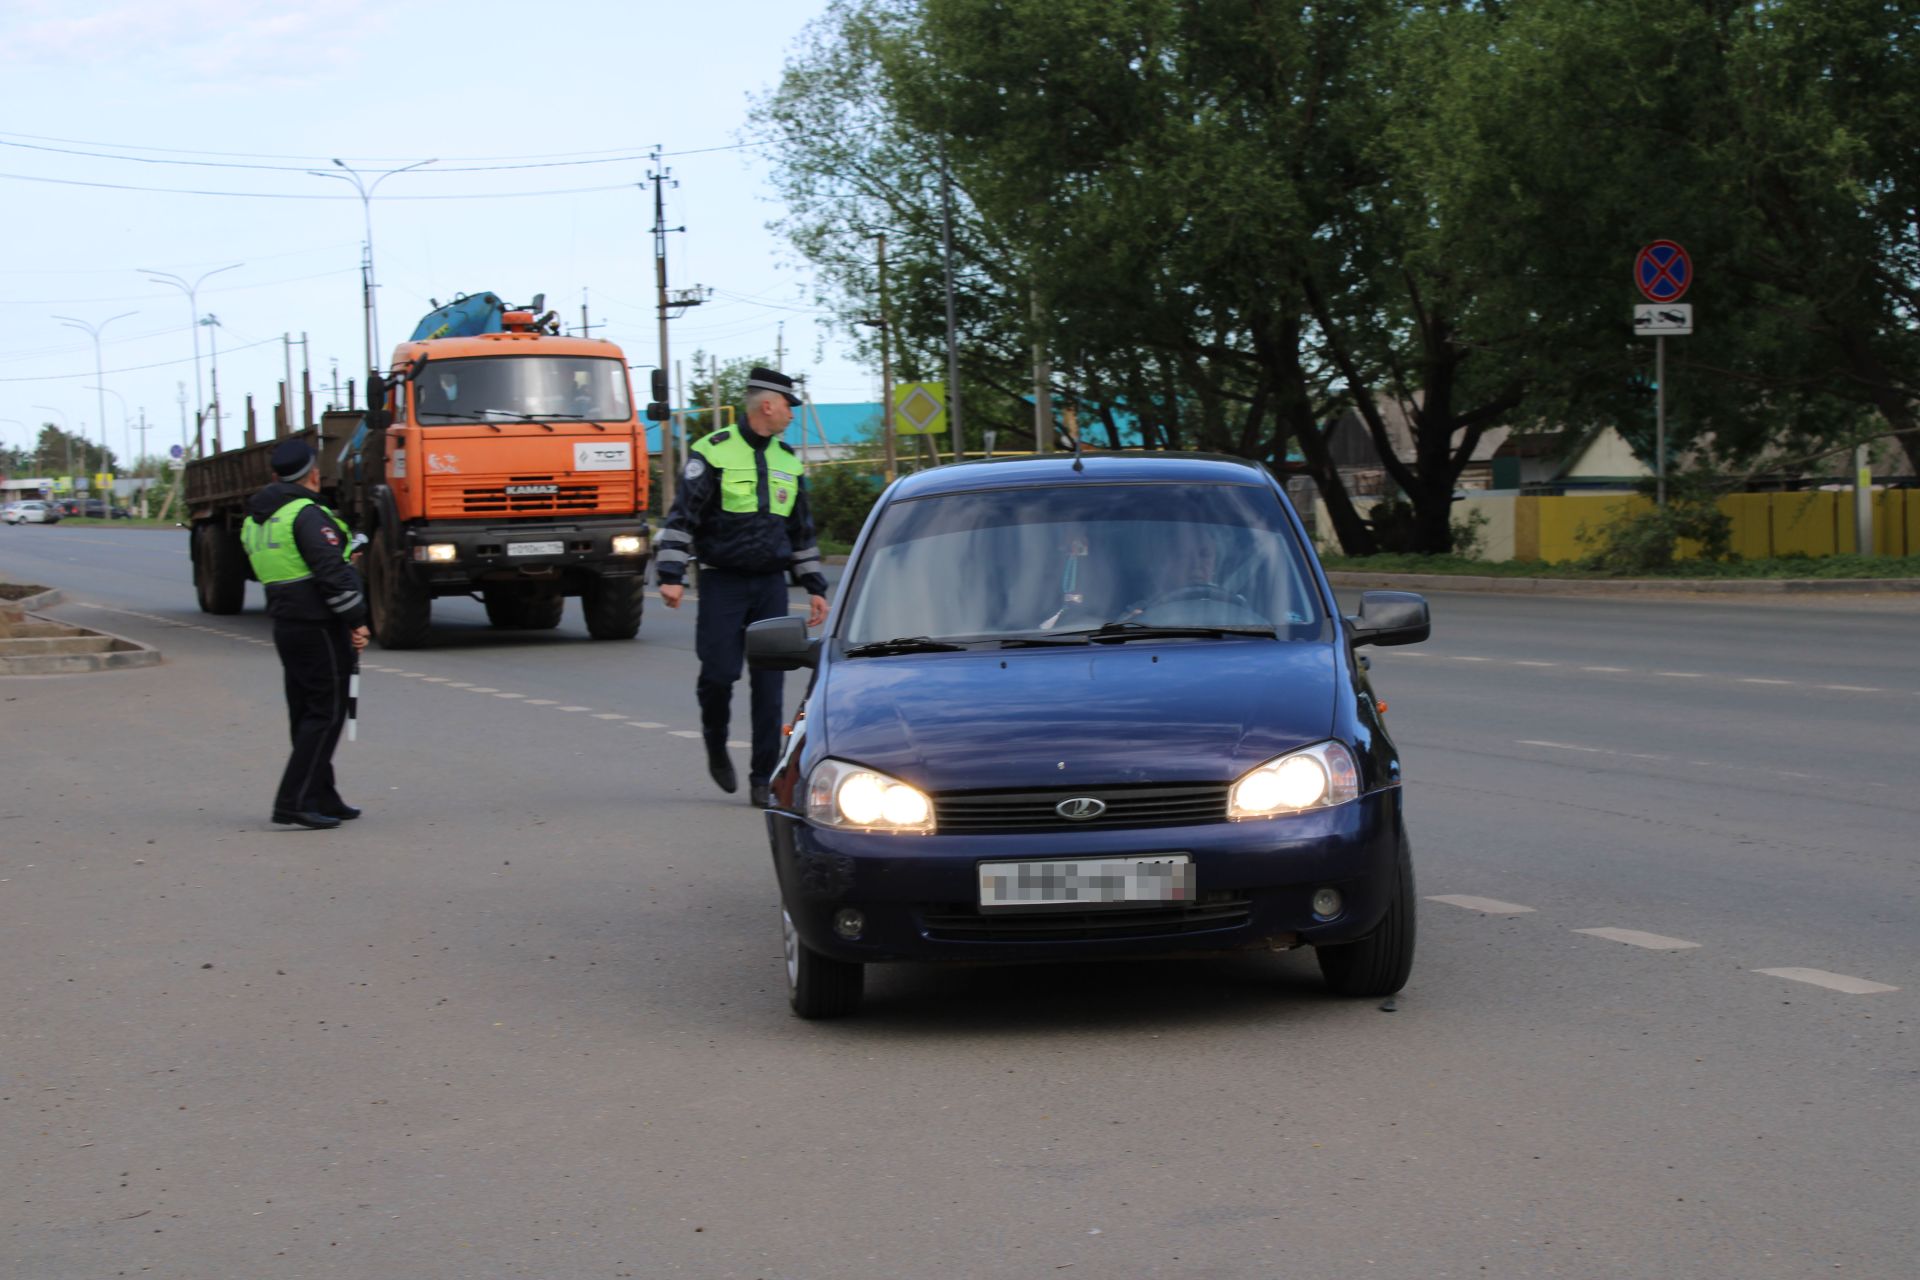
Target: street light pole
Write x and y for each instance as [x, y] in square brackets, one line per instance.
[64, 434]
[193, 306]
[126, 430]
[367, 282]
[93, 331]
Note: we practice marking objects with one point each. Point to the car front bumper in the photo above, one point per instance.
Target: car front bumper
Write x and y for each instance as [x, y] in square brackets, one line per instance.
[1254, 884]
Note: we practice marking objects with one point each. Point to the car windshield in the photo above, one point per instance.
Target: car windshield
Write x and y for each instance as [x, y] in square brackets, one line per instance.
[516, 388]
[1065, 564]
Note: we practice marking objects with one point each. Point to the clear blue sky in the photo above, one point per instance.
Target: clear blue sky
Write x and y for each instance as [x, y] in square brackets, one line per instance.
[226, 83]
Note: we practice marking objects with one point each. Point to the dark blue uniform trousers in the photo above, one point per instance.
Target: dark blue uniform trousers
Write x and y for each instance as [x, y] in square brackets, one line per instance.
[728, 602]
[317, 659]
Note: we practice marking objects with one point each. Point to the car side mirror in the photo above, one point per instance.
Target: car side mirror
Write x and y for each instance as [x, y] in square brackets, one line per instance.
[781, 644]
[1390, 617]
[658, 410]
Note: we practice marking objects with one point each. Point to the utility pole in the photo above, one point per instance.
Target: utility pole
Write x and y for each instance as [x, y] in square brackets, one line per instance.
[213, 338]
[668, 303]
[780, 351]
[953, 348]
[186, 443]
[586, 330]
[1042, 385]
[884, 324]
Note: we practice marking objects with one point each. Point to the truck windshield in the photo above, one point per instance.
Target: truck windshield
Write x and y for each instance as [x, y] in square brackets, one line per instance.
[1083, 562]
[507, 388]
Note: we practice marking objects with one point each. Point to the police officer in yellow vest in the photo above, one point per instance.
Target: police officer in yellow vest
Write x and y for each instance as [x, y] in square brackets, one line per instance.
[300, 552]
[742, 509]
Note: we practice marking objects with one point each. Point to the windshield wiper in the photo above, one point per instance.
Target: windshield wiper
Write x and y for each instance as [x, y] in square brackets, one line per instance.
[902, 644]
[1119, 631]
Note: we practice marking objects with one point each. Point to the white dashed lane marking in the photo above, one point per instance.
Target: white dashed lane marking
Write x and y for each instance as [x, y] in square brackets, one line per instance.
[1638, 938]
[610, 715]
[1840, 982]
[687, 733]
[1491, 906]
[1766, 681]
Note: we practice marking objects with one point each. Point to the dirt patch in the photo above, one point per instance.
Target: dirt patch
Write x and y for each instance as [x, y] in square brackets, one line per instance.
[18, 591]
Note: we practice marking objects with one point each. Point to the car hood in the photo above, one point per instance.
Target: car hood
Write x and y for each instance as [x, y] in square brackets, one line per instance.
[1183, 711]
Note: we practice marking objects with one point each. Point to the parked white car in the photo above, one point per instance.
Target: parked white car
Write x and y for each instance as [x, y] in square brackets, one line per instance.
[32, 511]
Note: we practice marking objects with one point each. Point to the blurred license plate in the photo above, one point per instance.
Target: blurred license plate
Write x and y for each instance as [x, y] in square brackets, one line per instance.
[535, 548]
[1154, 877]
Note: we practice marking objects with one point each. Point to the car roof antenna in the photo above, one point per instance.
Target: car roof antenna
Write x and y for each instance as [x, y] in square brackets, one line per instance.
[1073, 442]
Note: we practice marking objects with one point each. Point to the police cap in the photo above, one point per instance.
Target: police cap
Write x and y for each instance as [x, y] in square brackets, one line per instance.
[291, 459]
[767, 380]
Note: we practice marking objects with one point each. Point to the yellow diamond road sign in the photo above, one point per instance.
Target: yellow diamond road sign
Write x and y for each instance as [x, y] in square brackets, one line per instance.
[920, 408]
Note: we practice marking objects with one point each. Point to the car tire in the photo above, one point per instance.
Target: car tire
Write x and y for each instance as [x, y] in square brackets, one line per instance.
[520, 611]
[819, 986]
[220, 570]
[1378, 964]
[401, 609]
[612, 607]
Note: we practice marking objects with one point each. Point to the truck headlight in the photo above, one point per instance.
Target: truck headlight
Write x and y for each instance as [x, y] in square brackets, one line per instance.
[437, 552]
[1316, 777]
[845, 795]
[628, 544]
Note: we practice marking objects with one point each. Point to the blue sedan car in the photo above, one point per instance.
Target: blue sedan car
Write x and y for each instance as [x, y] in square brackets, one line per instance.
[1081, 709]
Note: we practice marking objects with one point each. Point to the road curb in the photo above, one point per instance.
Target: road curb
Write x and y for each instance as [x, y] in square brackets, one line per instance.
[45, 655]
[1623, 586]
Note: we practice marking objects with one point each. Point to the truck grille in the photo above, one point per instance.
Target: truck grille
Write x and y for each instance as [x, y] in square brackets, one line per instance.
[1226, 909]
[527, 495]
[986, 812]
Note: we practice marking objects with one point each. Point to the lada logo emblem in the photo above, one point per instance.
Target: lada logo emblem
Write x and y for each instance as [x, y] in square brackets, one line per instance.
[1080, 808]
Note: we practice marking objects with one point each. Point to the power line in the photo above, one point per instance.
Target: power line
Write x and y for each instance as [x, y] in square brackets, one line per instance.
[538, 161]
[143, 297]
[287, 195]
[136, 368]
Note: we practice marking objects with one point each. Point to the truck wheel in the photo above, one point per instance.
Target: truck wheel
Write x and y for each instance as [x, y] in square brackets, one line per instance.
[612, 606]
[401, 608]
[1379, 963]
[541, 611]
[219, 570]
[819, 986]
[503, 608]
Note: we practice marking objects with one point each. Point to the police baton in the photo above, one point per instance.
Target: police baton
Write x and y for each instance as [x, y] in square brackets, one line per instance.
[353, 677]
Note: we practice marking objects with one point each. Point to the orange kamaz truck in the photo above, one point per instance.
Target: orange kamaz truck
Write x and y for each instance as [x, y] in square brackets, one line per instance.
[497, 459]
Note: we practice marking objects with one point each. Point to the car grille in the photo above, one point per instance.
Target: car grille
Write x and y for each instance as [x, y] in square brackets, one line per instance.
[1224, 909]
[491, 496]
[983, 812]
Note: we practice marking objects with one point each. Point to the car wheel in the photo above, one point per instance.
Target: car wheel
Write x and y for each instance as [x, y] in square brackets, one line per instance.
[1379, 963]
[819, 986]
[612, 607]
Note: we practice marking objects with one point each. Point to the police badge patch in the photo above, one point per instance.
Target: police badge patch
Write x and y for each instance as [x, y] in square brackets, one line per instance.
[695, 468]
[332, 538]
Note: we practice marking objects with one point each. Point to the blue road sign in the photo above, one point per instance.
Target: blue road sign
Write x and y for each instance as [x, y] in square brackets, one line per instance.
[176, 451]
[1662, 271]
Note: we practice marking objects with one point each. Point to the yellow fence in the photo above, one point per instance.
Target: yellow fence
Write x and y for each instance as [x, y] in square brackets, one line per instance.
[1765, 525]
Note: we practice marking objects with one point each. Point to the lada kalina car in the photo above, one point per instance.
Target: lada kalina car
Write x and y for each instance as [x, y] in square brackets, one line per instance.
[1077, 709]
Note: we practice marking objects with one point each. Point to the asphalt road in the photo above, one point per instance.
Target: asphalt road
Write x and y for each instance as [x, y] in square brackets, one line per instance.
[526, 1018]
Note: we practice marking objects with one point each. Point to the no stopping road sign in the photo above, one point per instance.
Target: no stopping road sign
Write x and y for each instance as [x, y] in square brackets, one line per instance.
[1662, 271]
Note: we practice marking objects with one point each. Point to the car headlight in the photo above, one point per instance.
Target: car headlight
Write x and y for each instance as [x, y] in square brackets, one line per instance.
[628, 544]
[845, 795]
[1316, 777]
[436, 552]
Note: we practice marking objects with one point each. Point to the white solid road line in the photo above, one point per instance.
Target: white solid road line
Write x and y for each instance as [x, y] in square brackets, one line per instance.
[1491, 906]
[1831, 981]
[1636, 938]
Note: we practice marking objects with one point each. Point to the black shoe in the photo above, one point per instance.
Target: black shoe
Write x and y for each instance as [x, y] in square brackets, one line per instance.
[721, 770]
[758, 795]
[343, 811]
[303, 818]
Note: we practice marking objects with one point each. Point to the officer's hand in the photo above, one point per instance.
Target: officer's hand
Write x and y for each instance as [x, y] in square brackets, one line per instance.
[360, 637]
[816, 610]
[670, 593]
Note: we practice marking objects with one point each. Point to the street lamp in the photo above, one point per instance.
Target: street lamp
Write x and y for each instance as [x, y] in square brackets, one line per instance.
[126, 427]
[64, 433]
[367, 284]
[93, 331]
[193, 306]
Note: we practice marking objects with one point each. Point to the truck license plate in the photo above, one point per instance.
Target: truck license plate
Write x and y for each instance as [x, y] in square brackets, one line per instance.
[536, 548]
[1155, 877]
